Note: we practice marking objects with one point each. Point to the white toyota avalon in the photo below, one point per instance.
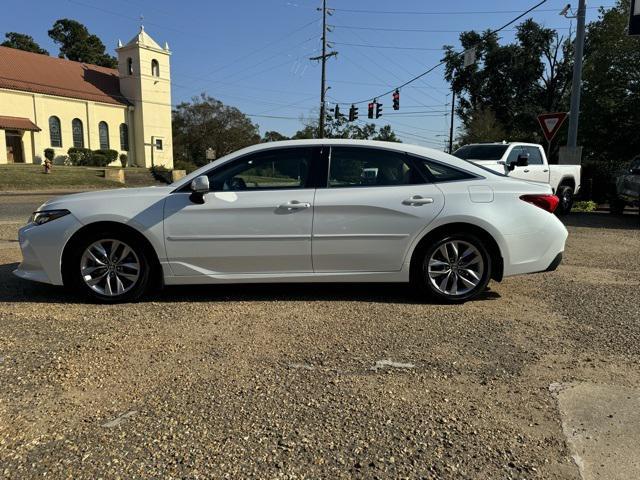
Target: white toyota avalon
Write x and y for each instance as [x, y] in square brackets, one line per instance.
[301, 211]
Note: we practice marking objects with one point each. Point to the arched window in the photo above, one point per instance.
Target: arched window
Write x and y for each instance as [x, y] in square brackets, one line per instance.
[103, 133]
[77, 132]
[155, 68]
[54, 132]
[124, 137]
[129, 66]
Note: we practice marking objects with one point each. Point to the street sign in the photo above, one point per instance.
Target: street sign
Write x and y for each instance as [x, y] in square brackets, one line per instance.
[470, 56]
[634, 19]
[551, 123]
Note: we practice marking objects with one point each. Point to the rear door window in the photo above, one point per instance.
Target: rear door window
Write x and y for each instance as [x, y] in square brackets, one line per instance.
[370, 167]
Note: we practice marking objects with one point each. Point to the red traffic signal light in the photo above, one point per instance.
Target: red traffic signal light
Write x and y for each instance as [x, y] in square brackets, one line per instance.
[396, 100]
[370, 110]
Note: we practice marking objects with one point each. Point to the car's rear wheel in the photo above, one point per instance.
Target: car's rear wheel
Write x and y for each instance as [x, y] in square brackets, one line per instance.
[455, 268]
[109, 267]
[565, 195]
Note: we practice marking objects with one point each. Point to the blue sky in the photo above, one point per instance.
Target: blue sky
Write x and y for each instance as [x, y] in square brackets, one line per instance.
[254, 54]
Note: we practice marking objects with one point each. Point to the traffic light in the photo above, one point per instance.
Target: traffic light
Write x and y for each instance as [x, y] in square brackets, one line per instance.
[337, 111]
[353, 113]
[370, 111]
[396, 100]
[378, 109]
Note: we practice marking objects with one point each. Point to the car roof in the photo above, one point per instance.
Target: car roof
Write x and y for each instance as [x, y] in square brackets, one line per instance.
[504, 143]
[395, 146]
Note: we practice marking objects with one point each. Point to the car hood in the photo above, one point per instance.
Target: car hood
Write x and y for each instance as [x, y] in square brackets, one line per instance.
[105, 195]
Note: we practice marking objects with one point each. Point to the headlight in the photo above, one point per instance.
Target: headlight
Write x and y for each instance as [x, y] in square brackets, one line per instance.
[40, 218]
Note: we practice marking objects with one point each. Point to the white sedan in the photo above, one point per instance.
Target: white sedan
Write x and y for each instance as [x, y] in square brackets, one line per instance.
[301, 211]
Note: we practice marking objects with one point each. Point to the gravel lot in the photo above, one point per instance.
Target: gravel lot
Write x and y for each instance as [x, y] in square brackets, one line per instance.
[337, 381]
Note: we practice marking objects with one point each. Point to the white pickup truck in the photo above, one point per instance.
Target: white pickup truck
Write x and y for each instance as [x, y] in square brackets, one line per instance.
[527, 161]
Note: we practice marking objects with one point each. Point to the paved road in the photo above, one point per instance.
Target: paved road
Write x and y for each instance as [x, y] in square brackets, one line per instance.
[334, 381]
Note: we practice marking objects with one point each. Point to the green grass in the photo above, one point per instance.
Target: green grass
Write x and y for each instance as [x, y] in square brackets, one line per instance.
[32, 177]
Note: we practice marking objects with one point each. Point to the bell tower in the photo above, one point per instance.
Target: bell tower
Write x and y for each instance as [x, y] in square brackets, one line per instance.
[145, 80]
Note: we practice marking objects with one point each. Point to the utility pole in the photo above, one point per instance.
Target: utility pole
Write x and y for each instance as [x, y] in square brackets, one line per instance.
[453, 106]
[574, 112]
[323, 59]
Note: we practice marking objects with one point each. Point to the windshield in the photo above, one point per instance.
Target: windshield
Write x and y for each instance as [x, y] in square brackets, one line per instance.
[481, 152]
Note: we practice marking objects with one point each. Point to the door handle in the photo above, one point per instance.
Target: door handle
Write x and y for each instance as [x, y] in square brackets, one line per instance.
[545, 170]
[526, 170]
[295, 205]
[417, 200]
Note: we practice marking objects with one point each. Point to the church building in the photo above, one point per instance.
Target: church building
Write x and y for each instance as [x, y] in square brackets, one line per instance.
[49, 102]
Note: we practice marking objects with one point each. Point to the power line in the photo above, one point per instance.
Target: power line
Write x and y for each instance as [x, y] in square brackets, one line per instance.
[426, 72]
[477, 12]
[420, 30]
[396, 47]
[402, 67]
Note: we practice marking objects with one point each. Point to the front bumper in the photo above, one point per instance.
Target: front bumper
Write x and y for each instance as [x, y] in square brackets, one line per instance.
[42, 247]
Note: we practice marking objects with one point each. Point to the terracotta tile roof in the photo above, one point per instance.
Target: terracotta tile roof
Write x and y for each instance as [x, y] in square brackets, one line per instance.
[17, 123]
[32, 72]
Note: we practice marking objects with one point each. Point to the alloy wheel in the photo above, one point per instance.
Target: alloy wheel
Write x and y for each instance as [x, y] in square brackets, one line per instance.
[110, 267]
[455, 268]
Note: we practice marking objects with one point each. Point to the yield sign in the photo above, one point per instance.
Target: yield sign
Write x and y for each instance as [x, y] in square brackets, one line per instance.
[551, 123]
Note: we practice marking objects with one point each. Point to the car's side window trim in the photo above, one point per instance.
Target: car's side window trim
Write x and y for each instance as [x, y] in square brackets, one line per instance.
[408, 160]
[431, 179]
[310, 184]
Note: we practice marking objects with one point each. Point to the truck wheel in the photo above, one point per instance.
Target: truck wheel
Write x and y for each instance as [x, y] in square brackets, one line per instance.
[616, 206]
[565, 194]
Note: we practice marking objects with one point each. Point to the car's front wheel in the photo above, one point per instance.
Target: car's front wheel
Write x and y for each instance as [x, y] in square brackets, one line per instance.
[108, 267]
[454, 268]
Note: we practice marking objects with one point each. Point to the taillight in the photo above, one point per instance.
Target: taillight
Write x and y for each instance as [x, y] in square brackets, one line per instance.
[545, 201]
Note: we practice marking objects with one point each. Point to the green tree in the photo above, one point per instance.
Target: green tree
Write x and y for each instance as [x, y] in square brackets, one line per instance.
[610, 107]
[481, 126]
[385, 134]
[76, 43]
[342, 128]
[206, 122]
[515, 82]
[22, 41]
[273, 136]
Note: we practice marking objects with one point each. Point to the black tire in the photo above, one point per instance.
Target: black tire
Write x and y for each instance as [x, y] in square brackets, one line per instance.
[72, 269]
[616, 207]
[426, 282]
[565, 195]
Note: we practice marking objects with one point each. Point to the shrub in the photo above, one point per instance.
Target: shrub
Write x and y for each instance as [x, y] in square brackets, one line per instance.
[123, 159]
[79, 156]
[102, 158]
[112, 155]
[161, 174]
[98, 160]
[49, 154]
[184, 165]
[584, 206]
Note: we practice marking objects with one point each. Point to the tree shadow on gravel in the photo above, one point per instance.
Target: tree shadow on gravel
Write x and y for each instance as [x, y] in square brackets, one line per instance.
[13, 289]
[628, 221]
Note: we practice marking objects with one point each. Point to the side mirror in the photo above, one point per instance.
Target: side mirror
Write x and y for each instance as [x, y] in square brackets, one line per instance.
[522, 161]
[199, 187]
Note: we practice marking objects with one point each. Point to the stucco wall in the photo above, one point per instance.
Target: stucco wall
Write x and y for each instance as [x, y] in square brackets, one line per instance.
[38, 108]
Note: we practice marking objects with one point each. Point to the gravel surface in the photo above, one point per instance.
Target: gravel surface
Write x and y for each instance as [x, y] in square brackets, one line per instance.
[307, 381]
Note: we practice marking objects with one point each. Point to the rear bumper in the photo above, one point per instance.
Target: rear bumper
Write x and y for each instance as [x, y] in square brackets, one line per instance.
[536, 252]
[556, 262]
